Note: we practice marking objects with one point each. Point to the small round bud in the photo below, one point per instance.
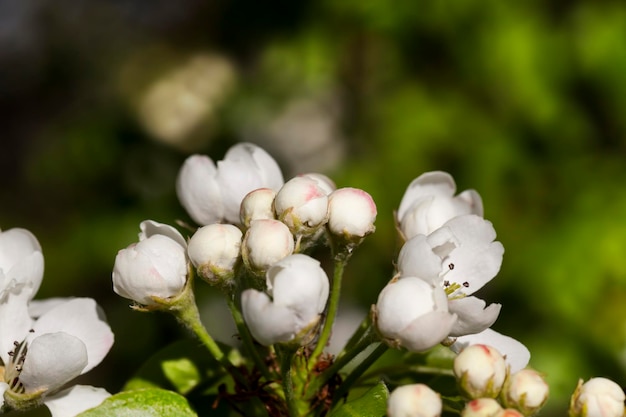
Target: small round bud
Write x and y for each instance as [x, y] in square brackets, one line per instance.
[415, 400]
[526, 391]
[482, 407]
[598, 397]
[509, 412]
[214, 251]
[257, 205]
[351, 213]
[265, 243]
[302, 205]
[480, 371]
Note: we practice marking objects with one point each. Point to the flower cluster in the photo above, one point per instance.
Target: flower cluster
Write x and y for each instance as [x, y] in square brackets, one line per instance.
[44, 344]
[449, 253]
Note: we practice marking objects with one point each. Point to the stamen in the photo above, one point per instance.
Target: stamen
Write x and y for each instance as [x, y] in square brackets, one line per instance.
[451, 266]
[466, 284]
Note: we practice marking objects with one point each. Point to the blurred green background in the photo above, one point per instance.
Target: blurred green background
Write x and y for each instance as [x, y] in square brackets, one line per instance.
[523, 101]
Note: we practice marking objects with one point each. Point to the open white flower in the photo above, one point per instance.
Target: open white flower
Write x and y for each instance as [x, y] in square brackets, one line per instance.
[461, 256]
[429, 202]
[413, 313]
[68, 340]
[297, 291]
[212, 193]
[21, 261]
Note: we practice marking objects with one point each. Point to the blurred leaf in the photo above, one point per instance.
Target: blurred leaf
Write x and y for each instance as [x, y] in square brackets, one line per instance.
[371, 404]
[145, 402]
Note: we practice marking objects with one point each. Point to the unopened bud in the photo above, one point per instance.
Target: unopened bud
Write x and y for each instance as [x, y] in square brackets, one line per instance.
[480, 371]
[324, 182]
[415, 400]
[302, 205]
[214, 251]
[482, 407]
[257, 205]
[265, 243]
[510, 412]
[525, 390]
[598, 397]
[351, 213]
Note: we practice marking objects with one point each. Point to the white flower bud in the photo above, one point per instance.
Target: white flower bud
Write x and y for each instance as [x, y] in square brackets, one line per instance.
[21, 261]
[324, 182]
[598, 397]
[297, 292]
[214, 251]
[415, 400]
[429, 202]
[413, 314]
[525, 390]
[265, 243]
[156, 266]
[302, 205]
[510, 412]
[482, 407]
[257, 205]
[480, 371]
[198, 190]
[351, 213]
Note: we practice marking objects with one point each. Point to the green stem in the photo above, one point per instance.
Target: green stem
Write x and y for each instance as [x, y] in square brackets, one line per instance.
[246, 338]
[286, 356]
[364, 330]
[358, 371]
[333, 305]
[417, 369]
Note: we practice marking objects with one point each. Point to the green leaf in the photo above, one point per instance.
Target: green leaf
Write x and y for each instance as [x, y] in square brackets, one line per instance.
[182, 366]
[149, 402]
[371, 404]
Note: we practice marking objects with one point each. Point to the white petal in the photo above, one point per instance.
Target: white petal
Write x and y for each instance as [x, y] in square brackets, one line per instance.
[81, 318]
[473, 200]
[37, 308]
[514, 352]
[151, 228]
[75, 400]
[52, 360]
[26, 271]
[473, 316]
[267, 322]
[417, 259]
[198, 190]
[474, 266]
[428, 184]
[3, 387]
[15, 322]
[427, 331]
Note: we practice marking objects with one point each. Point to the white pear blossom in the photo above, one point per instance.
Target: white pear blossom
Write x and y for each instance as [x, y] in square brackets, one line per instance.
[214, 250]
[212, 193]
[265, 243]
[414, 400]
[351, 213]
[525, 390]
[256, 205]
[480, 371]
[21, 261]
[302, 205]
[598, 397]
[297, 292]
[429, 202]
[413, 313]
[156, 266]
[69, 339]
[514, 352]
[461, 256]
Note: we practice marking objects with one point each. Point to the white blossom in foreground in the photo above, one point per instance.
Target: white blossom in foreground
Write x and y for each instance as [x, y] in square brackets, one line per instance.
[414, 400]
[214, 250]
[156, 266]
[21, 261]
[212, 193]
[461, 256]
[413, 313]
[257, 205]
[598, 397]
[515, 353]
[302, 205]
[481, 407]
[297, 292]
[351, 213]
[480, 371]
[429, 202]
[525, 390]
[68, 340]
[265, 243]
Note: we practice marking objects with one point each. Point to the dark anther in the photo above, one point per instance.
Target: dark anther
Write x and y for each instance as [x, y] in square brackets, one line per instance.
[446, 283]
[31, 331]
[466, 284]
[451, 266]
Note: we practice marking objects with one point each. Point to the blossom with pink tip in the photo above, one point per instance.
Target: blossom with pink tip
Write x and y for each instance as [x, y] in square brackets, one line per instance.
[351, 213]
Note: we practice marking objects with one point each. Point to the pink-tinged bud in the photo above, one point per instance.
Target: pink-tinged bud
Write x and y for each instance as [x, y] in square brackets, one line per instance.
[510, 412]
[257, 205]
[598, 397]
[526, 391]
[324, 182]
[214, 250]
[415, 400]
[302, 205]
[265, 243]
[351, 213]
[480, 371]
[482, 407]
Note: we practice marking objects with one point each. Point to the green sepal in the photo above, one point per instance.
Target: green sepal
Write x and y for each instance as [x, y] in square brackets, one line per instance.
[150, 402]
[371, 404]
